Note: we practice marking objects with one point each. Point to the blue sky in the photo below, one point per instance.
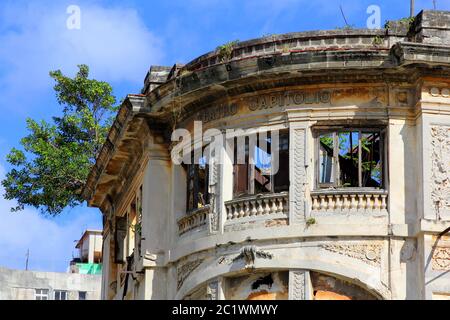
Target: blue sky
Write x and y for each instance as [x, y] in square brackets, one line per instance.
[119, 40]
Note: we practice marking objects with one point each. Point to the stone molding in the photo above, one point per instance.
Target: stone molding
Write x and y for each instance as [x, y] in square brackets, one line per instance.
[440, 173]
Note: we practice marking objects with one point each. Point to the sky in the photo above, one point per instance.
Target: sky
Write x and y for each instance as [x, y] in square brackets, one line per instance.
[120, 40]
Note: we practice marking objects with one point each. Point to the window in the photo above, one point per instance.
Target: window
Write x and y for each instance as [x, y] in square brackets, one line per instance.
[60, 295]
[257, 172]
[82, 295]
[350, 158]
[197, 183]
[41, 294]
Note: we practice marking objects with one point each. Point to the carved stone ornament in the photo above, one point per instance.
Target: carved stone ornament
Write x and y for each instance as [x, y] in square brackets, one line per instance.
[185, 270]
[441, 254]
[250, 253]
[440, 170]
[368, 253]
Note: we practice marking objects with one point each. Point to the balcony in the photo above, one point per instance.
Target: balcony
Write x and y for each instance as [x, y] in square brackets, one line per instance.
[349, 201]
[258, 207]
[196, 219]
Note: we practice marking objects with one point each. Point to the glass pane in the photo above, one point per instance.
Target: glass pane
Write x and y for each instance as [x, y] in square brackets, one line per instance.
[326, 159]
[371, 160]
[348, 158]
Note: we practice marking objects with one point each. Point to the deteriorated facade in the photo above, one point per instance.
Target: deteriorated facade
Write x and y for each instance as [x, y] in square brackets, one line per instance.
[361, 197]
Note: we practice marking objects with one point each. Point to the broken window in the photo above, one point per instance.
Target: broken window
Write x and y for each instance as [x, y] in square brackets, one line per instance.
[197, 183]
[350, 158]
[256, 168]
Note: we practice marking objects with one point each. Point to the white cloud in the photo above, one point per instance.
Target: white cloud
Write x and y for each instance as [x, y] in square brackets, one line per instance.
[35, 39]
[50, 240]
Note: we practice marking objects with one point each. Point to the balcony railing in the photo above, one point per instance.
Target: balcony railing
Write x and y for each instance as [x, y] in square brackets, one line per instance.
[356, 201]
[193, 220]
[257, 206]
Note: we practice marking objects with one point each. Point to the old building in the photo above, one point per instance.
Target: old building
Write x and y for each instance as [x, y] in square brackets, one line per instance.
[89, 257]
[360, 201]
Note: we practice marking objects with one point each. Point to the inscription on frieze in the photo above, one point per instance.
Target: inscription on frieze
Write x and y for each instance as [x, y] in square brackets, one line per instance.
[294, 98]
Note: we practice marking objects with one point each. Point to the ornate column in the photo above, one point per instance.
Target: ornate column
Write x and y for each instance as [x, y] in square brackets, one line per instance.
[215, 195]
[297, 174]
[300, 287]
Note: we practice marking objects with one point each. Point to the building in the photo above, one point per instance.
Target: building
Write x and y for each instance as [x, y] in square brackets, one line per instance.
[359, 207]
[89, 259]
[83, 282]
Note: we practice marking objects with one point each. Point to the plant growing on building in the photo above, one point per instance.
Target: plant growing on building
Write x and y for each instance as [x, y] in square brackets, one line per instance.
[225, 51]
[50, 170]
[377, 40]
[310, 221]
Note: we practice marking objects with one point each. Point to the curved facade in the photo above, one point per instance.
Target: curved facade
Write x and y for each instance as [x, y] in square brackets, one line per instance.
[348, 201]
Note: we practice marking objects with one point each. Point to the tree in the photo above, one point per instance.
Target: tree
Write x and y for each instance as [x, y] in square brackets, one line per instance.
[51, 170]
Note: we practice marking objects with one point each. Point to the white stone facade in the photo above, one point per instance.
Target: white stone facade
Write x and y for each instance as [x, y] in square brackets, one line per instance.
[306, 242]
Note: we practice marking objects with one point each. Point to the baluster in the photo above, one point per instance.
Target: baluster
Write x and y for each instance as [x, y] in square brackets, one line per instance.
[246, 207]
[260, 208]
[237, 213]
[230, 212]
[330, 202]
[323, 204]
[346, 202]
[315, 205]
[369, 202]
[376, 203]
[353, 202]
[383, 202]
[360, 202]
[254, 210]
[280, 205]
[274, 208]
[338, 202]
[266, 206]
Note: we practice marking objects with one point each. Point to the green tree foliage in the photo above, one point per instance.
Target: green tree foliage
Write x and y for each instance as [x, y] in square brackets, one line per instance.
[51, 170]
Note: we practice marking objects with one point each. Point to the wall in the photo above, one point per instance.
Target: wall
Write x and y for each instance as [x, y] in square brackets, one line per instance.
[21, 285]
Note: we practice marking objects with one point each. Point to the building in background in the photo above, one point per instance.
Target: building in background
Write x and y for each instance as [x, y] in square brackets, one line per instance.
[82, 282]
[89, 259]
[361, 200]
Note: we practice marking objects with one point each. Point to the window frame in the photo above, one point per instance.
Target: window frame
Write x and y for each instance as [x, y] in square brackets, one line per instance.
[59, 292]
[335, 130]
[250, 181]
[195, 177]
[80, 293]
[40, 295]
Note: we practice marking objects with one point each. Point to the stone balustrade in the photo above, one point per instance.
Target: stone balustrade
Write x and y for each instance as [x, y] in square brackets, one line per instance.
[359, 201]
[258, 205]
[193, 220]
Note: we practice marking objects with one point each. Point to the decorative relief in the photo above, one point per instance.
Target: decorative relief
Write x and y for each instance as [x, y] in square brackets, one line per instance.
[299, 181]
[249, 254]
[297, 283]
[440, 170]
[441, 254]
[185, 270]
[215, 203]
[437, 92]
[368, 253]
